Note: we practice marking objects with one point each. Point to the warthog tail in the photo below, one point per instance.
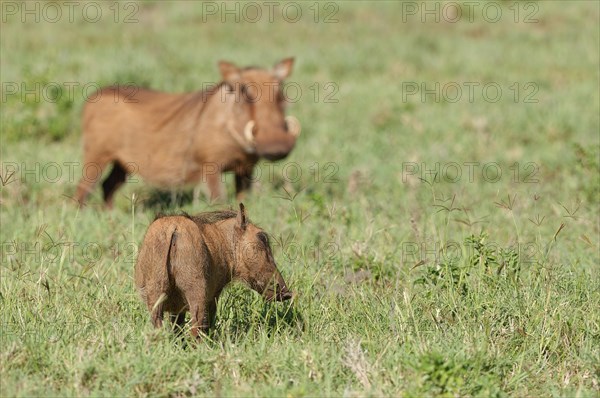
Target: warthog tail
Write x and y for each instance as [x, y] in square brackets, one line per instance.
[171, 253]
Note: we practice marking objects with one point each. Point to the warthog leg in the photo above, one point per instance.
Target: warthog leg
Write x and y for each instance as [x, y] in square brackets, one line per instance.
[196, 197]
[211, 314]
[243, 183]
[178, 322]
[197, 310]
[157, 313]
[92, 171]
[115, 179]
[214, 186]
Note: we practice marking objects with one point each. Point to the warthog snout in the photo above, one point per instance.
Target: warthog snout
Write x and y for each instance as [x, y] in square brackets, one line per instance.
[276, 153]
[280, 293]
[284, 294]
[278, 148]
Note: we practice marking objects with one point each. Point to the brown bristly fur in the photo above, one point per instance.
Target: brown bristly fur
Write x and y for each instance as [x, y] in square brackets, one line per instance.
[172, 140]
[209, 217]
[186, 261]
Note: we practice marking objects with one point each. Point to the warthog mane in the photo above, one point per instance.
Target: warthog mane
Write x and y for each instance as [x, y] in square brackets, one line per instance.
[209, 217]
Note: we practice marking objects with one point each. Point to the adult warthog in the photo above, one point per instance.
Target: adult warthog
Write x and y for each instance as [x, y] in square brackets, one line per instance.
[172, 140]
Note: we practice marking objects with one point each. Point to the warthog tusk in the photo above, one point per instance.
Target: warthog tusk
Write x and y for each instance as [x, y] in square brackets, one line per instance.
[293, 125]
[248, 131]
[247, 144]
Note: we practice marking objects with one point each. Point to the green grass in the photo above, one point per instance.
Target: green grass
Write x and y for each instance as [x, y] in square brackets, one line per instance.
[406, 286]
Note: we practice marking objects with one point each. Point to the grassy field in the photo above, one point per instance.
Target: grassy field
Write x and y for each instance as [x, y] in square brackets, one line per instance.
[438, 218]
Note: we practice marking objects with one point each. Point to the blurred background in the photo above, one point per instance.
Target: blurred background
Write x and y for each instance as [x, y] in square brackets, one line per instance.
[485, 100]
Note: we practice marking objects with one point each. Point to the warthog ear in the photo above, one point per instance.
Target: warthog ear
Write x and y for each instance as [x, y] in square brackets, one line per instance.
[241, 218]
[229, 71]
[284, 68]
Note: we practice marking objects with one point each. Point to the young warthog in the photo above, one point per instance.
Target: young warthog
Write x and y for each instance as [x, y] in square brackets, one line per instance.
[185, 262]
[176, 139]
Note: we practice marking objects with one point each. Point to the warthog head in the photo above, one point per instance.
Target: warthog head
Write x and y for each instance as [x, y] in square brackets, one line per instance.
[259, 121]
[255, 264]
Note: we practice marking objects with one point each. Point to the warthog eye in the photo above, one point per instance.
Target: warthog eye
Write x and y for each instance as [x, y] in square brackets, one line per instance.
[264, 239]
[281, 97]
[247, 95]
